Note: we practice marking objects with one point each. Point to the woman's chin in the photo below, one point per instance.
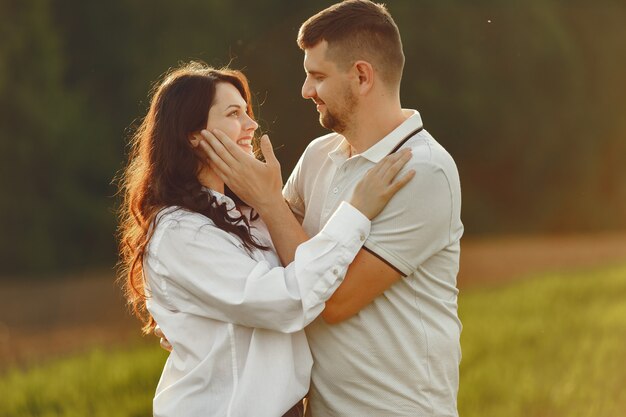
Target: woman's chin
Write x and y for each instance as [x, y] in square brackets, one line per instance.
[247, 149]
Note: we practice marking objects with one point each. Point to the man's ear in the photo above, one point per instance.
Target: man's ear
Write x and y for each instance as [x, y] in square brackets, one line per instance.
[365, 74]
[194, 139]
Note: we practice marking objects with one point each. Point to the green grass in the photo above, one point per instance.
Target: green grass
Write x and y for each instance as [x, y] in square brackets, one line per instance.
[550, 346]
[102, 383]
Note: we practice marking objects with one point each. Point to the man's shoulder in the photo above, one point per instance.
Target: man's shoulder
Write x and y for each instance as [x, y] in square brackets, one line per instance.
[426, 151]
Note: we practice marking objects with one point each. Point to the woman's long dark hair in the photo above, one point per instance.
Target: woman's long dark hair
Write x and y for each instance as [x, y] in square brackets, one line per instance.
[163, 170]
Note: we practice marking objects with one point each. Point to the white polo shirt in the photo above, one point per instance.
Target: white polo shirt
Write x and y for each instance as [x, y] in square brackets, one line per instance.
[400, 355]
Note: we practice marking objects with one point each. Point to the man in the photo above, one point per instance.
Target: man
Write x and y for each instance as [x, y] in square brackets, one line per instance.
[387, 343]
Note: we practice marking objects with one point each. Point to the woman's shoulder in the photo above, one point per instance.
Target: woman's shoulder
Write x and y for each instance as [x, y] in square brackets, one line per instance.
[179, 223]
[169, 216]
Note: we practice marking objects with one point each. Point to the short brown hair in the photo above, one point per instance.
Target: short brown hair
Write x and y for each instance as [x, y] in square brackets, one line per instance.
[357, 29]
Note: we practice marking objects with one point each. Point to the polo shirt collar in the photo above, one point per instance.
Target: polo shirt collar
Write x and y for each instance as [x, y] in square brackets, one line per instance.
[382, 148]
[340, 154]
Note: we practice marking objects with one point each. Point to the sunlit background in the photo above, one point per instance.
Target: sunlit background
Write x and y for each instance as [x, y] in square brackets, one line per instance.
[529, 97]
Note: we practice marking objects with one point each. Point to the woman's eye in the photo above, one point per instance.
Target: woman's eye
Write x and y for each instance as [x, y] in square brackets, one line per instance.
[234, 113]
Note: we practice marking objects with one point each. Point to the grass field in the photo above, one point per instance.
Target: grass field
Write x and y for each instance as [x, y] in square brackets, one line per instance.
[112, 383]
[547, 346]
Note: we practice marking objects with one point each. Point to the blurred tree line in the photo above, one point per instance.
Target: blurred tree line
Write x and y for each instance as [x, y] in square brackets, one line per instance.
[528, 96]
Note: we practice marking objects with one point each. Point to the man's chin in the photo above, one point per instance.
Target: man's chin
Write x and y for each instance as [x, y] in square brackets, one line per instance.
[323, 121]
[331, 123]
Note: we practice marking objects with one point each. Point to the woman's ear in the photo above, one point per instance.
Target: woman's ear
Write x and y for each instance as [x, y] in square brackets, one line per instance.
[194, 139]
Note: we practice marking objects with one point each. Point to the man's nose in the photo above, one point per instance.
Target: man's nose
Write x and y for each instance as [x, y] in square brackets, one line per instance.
[307, 90]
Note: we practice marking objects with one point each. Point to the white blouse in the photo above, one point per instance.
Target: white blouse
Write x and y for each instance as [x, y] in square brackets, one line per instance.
[235, 318]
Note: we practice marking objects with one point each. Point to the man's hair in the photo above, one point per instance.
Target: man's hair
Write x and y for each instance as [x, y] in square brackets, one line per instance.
[355, 30]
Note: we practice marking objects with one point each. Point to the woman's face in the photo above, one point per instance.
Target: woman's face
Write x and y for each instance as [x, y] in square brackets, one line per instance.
[228, 114]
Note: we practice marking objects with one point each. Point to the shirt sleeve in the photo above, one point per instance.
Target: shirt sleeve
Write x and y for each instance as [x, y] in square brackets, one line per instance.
[200, 269]
[417, 222]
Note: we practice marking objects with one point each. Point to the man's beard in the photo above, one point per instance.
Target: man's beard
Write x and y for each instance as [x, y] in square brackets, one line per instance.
[331, 122]
[339, 119]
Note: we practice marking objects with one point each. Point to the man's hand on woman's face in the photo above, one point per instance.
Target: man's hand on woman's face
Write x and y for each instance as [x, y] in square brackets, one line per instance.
[257, 183]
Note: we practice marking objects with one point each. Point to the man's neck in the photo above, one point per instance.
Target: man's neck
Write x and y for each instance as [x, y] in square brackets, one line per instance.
[369, 127]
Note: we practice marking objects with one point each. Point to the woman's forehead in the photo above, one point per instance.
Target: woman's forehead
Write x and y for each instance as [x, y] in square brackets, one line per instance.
[227, 94]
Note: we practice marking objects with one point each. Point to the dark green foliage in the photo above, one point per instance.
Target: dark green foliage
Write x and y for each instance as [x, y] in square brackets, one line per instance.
[529, 98]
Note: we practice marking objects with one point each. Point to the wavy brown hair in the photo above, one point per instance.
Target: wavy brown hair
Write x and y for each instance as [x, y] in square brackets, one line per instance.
[163, 169]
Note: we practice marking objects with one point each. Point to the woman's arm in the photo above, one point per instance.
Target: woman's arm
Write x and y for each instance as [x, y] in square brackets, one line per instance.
[196, 268]
[260, 185]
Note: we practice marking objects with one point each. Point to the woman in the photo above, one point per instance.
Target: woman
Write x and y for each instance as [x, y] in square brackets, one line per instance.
[202, 264]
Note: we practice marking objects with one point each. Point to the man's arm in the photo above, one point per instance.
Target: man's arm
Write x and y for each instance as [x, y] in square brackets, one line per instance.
[415, 225]
[367, 278]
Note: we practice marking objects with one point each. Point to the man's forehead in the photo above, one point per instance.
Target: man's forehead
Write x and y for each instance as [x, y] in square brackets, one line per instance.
[316, 56]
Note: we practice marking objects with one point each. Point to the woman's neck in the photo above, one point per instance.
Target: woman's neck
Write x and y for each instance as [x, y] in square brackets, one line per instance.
[209, 179]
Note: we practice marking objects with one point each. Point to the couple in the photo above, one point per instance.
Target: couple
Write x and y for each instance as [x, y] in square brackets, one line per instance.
[380, 271]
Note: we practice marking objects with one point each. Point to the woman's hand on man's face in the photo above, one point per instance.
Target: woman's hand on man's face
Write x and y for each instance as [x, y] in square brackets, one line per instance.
[257, 183]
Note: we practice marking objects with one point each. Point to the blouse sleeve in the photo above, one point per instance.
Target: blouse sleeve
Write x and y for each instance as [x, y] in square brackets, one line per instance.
[197, 268]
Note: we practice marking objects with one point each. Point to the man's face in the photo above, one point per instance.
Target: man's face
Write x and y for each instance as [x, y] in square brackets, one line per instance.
[329, 87]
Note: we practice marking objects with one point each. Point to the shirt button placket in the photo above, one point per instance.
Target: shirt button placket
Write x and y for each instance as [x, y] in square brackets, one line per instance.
[332, 195]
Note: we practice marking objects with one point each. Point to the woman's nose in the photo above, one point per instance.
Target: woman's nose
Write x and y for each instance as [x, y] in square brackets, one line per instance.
[251, 124]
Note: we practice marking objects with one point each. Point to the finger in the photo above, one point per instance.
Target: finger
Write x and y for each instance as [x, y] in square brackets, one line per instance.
[268, 151]
[227, 179]
[165, 344]
[219, 147]
[158, 332]
[393, 164]
[392, 158]
[400, 183]
[216, 161]
[380, 168]
[230, 145]
[395, 167]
